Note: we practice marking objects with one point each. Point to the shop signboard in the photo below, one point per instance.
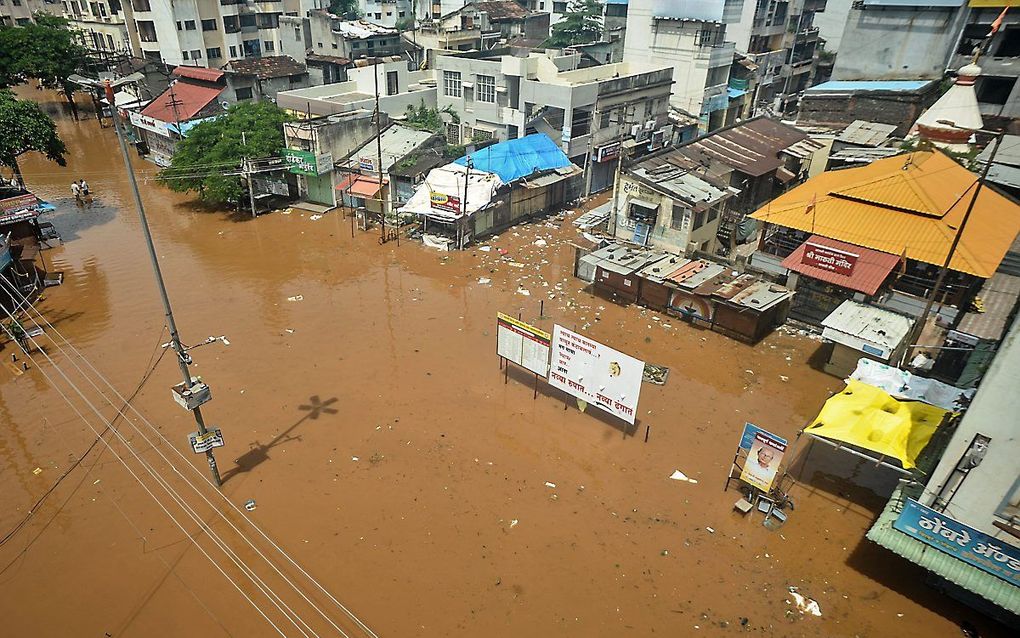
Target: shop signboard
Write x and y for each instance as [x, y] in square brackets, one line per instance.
[444, 202]
[300, 162]
[834, 260]
[18, 202]
[607, 152]
[595, 373]
[959, 540]
[149, 124]
[323, 163]
[523, 344]
[764, 455]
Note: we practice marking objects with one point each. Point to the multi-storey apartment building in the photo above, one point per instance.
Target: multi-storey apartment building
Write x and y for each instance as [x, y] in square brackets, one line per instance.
[592, 112]
[207, 32]
[101, 24]
[386, 13]
[20, 12]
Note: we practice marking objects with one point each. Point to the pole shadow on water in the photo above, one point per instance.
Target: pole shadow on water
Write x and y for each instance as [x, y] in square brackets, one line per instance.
[259, 452]
[522, 376]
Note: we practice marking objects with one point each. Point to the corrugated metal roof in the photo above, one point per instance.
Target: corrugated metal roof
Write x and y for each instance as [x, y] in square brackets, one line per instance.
[761, 295]
[858, 155]
[1008, 153]
[871, 269]
[866, 133]
[657, 270]
[999, 295]
[752, 147]
[989, 587]
[911, 204]
[630, 261]
[872, 324]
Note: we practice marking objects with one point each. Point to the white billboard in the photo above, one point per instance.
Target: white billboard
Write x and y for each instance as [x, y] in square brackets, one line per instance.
[524, 344]
[595, 373]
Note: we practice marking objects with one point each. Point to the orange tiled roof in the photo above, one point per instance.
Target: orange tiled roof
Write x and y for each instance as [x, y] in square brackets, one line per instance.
[908, 203]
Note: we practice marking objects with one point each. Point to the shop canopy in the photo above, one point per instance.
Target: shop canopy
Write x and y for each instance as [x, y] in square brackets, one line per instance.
[908, 205]
[440, 195]
[360, 185]
[865, 417]
[514, 159]
[845, 265]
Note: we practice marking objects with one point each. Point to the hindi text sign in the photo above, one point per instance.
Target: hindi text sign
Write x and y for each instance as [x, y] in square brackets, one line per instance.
[523, 344]
[960, 540]
[764, 456]
[595, 373]
[834, 260]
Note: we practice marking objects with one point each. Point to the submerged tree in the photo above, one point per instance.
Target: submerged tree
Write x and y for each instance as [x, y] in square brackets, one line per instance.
[581, 24]
[45, 50]
[212, 149]
[25, 127]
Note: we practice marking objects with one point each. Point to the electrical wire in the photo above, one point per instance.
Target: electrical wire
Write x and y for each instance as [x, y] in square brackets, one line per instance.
[53, 330]
[138, 479]
[240, 564]
[149, 368]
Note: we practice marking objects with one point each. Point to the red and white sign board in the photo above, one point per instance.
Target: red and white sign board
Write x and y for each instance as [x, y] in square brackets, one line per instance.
[595, 373]
[834, 260]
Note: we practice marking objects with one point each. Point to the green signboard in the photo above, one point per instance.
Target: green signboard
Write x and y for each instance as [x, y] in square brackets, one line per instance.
[301, 162]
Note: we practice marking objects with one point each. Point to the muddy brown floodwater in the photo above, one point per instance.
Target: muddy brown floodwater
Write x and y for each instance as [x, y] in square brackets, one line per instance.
[444, 525]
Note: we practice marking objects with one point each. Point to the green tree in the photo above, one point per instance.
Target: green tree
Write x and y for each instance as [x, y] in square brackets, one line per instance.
[45, 50]
[345, 9]
[581, 24]
[216, 147]
[426, 119]
[25, 127]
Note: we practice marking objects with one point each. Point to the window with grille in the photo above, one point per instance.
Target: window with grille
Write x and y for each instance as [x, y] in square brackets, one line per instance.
[451, 84]
[486, 89]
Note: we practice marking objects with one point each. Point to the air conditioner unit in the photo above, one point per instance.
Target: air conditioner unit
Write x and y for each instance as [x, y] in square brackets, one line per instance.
[649, 125]
[634, 130]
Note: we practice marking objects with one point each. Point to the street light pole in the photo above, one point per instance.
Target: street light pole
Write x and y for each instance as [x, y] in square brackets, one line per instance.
[923, 319]
[183, 359]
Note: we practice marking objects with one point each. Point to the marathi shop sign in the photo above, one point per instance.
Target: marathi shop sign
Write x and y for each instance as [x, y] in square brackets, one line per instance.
[959, 540]
[764, 455]
[834, 260]
[149, 123]
[444, 202]
[523, 344]
[306, 162]
[607, 152]
[595, 373]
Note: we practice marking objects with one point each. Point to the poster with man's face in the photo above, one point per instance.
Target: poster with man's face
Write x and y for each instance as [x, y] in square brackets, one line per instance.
[763, 460]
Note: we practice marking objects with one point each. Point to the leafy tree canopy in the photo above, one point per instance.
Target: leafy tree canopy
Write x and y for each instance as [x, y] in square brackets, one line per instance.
[345, 9]
[25, 127]
[426, 119]
[581, 24]
[215, 147]
[45, 50]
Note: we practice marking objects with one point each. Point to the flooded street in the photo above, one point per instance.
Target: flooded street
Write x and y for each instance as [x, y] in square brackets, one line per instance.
[364, 410]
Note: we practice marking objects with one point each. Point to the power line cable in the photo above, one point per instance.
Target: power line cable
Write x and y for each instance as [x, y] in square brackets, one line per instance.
[181, 502]
[81, 416]
[52, 329]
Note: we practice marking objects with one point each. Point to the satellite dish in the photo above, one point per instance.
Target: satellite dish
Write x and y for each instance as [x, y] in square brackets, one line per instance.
[225, 105]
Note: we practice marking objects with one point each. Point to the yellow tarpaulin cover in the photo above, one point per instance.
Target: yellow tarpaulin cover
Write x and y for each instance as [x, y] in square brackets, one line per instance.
[867, 417]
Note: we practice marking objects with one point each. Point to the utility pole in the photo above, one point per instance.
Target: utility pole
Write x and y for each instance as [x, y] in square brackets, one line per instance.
[923, 319]
[468, 164]
[183, 359]
[378, 148]
[248, 175]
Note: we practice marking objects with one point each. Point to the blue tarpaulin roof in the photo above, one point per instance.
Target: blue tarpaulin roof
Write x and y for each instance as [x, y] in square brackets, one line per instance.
[514, 159]
[734, 93]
